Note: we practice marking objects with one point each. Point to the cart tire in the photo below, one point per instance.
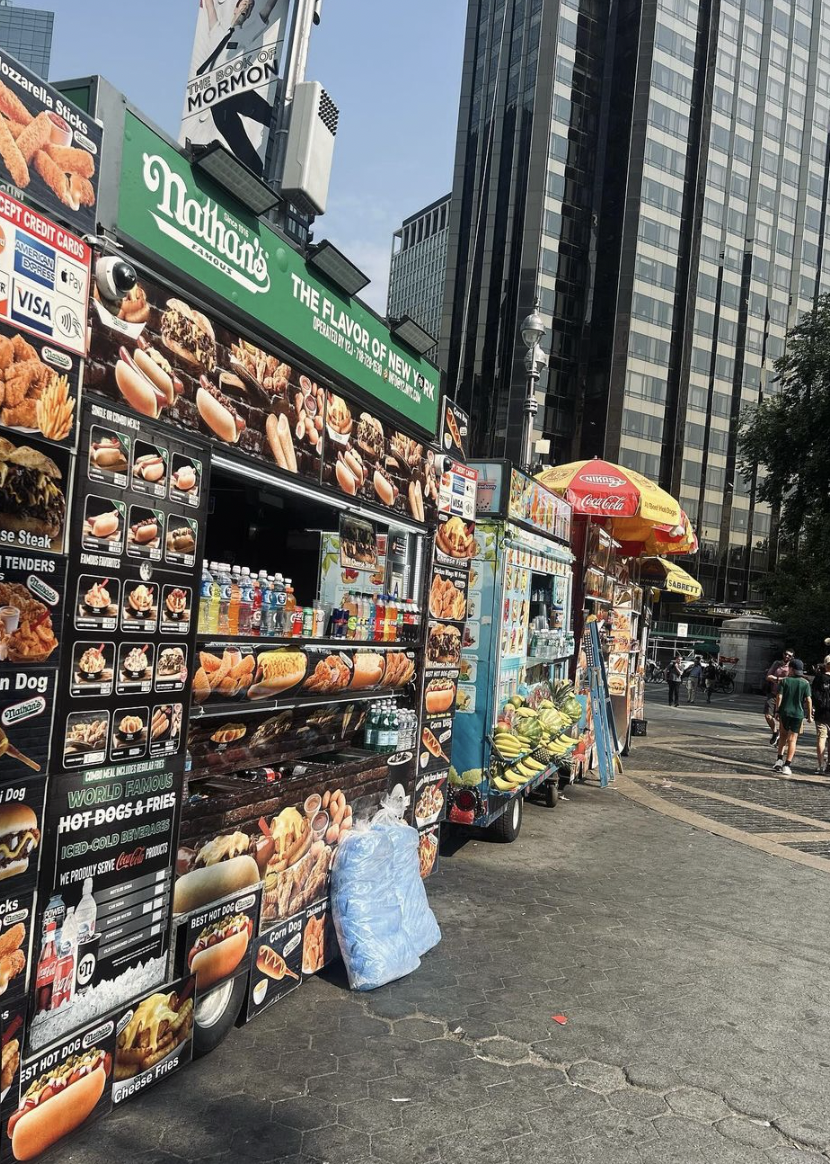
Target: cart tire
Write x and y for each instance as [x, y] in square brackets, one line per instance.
[728, 686]
[216, 1013]
[508, 826]
[552, 793]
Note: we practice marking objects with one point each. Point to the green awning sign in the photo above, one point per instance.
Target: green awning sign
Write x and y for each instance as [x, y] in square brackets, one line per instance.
[177, 213]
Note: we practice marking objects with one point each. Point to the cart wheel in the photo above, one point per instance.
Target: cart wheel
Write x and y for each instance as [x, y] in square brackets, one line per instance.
[507, 827]
[215, 1015]
[552, 793]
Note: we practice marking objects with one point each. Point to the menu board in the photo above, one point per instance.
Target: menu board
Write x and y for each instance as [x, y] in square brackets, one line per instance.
[159, 356]
[455, 424]
[534, 505]
[448, 608]
[119, 730]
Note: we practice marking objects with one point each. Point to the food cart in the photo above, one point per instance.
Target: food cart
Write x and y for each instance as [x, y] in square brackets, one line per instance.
[516, 710]
[216, 632]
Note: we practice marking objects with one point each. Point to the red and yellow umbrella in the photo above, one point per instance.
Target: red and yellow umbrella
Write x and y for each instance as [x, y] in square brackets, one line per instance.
[601, 489]
[638, 538]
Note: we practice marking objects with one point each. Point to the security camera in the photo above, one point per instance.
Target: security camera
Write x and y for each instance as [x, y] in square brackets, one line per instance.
[114, 278]
[448, 463]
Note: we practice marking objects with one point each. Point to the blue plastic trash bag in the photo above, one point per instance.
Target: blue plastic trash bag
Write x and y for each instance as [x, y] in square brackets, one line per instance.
[366, 910]
[418, 919]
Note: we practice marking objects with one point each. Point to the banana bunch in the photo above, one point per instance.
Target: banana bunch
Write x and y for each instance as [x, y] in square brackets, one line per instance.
[509, 744]
[519, 774]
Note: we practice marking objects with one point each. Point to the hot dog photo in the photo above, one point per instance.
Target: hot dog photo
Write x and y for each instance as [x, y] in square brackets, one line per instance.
[60, 1091]
[103, 528]
[149, 471]
[216, 943]
[109, 456]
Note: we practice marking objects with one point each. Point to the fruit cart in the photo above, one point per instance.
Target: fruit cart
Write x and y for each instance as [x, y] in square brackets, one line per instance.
[516, 708]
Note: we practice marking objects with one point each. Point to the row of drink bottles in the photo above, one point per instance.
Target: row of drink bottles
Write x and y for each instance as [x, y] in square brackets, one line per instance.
[233, 601]
[68, 952]
[389, 728]
[236, 602]
[375, 618]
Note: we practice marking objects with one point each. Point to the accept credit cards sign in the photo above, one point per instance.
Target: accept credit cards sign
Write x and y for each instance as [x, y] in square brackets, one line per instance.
[180, 215]
[44, 277]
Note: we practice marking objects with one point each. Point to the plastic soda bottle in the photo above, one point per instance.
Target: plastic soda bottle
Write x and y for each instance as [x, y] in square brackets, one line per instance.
[224, 579]
[233, 606]
[246, 598]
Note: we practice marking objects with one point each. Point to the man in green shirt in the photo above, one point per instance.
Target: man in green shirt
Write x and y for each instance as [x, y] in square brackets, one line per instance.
[793, 702]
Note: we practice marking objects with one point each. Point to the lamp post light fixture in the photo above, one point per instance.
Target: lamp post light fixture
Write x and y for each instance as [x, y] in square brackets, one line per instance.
[533, 332]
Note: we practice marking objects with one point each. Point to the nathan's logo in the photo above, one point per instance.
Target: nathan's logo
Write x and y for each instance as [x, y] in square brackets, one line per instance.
[603, 479]
[205, 229]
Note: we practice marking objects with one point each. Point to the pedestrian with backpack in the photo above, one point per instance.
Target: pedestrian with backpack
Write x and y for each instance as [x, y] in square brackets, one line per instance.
[794, 704]
[674, 676]
[821, 714]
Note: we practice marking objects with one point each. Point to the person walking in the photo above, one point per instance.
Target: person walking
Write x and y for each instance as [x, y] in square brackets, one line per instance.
[776, 671]
[674, 676]
[693, 676]
[710, 677]
[821, 715]
[794, 703]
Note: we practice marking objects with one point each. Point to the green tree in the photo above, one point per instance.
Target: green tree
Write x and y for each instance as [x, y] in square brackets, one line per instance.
[787, 436]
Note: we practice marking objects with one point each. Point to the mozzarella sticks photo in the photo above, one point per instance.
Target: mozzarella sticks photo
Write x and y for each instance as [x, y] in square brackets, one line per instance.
[41, 147]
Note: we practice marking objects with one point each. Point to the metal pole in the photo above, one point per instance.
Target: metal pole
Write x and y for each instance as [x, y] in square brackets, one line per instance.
[295, 56]
[531, 407]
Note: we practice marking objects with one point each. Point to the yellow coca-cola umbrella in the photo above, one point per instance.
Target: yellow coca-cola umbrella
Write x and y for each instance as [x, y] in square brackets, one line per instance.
[601, 489]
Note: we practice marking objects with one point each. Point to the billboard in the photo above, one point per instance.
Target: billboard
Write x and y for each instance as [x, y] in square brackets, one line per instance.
[233, 76]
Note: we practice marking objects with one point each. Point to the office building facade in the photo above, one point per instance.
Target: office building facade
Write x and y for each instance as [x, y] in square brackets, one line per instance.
[418, 268]
[668, 207]
[27, 34]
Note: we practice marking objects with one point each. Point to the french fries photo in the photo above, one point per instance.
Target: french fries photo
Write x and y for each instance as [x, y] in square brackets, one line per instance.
[158, 1025]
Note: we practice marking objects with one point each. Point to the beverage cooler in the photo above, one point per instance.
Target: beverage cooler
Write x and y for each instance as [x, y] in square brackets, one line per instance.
[516, 708]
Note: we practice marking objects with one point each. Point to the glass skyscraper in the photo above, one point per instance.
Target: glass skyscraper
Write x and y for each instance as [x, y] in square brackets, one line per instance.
[27, 34]
[418, 268]
[656, 173]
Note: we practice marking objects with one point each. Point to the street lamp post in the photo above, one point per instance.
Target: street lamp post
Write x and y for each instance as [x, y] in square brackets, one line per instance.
[533, 331]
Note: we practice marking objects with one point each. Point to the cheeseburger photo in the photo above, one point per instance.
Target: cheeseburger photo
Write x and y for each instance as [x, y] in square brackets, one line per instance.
[19, 837]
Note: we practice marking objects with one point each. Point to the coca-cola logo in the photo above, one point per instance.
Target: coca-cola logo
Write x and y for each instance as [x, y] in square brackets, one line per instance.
[130, 860]
[604, 479]
[604, 504]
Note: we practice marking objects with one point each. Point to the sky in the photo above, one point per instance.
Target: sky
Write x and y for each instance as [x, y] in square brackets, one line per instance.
[392, 68]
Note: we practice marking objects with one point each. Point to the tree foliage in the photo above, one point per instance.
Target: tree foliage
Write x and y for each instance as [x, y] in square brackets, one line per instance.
[788, 438]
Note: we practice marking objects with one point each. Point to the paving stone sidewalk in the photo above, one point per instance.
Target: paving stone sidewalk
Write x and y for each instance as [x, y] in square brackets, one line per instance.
[692, 972]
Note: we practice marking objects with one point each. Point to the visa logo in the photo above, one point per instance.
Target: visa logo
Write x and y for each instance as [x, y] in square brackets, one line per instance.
[32, 309]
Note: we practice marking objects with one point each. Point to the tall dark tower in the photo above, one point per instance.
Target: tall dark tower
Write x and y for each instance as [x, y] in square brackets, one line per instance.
[655, 171]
